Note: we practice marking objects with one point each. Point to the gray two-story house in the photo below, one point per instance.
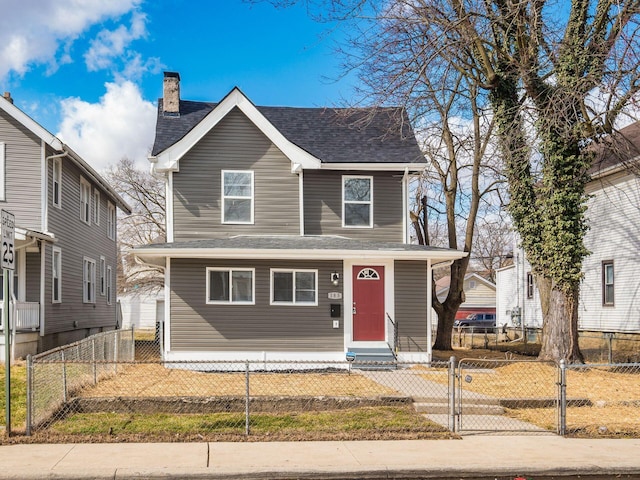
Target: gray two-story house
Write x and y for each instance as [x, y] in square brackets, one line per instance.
[63, 287]
[288, 232]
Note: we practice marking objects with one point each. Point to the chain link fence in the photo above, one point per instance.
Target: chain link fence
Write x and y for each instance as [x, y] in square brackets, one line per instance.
[601, 400]
[101, 387]
[54, 377]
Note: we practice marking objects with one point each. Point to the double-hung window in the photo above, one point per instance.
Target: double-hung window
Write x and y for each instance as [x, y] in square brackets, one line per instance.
[96, 207]
[230, 285]
[56, 276]
[357, 201]
[56, 187]
[294, 287]
[85, 201]
[529, 285]
[109, 283]
[103, 285]
[111, 221]
[608, 283]
[88, 280]
[237, 196]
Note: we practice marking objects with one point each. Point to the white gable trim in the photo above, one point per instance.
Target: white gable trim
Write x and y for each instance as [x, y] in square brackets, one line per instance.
[30, 124]
[169, 159]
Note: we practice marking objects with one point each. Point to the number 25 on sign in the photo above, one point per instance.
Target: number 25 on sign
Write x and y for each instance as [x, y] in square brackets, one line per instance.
[8, 233]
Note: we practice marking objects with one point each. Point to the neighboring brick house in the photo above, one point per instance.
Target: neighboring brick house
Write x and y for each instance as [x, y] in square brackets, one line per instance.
[287, 232]
[65, 242]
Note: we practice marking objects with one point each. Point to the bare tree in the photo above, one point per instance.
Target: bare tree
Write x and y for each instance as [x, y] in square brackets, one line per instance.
[146, 224]
[493, 246]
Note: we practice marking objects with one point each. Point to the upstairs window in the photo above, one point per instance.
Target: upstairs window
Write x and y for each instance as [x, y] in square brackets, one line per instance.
[357, 201]
[294, 287]
[56, 187]
[96, 207]
[237, 196]
[88, 280]
[85, 201]
[111, 221]
[608, 283]
[230, 285]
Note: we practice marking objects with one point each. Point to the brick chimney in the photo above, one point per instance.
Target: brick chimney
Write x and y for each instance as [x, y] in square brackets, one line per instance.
[171, 94]
[7, 97]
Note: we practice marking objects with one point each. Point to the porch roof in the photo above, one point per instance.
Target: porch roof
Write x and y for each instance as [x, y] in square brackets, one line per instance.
[293, 247]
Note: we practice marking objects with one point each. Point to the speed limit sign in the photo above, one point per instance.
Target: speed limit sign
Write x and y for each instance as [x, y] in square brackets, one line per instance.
[8, 234]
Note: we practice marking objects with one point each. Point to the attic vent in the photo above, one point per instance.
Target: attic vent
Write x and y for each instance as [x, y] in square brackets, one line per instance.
[368, 274]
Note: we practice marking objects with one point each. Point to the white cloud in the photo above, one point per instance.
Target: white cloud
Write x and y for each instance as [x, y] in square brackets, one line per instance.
[31, 32]
[121, 125]
[111, 44]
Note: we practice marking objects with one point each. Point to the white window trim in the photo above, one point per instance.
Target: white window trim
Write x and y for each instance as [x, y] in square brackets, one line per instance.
[231, 301]
[231, 197]
[109, 284]
[111, 221]
[56, 250]
[86, 261]
[57, 167]
[293, 271]
[3, 172]
[85, 203]
[370, 202]
[103, 278]
[96, 206]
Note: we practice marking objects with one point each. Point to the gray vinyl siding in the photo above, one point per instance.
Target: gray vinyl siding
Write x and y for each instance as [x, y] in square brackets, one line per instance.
[32, 280]
[22, 180]
[76, 240]
[323, 205]
[196, 326]
[234, 144]
[411, 305]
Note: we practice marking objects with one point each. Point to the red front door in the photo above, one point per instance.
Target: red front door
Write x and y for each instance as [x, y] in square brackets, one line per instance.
[368, 303]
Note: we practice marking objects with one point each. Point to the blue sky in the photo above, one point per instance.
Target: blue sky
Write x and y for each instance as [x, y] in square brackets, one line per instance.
[91, 71]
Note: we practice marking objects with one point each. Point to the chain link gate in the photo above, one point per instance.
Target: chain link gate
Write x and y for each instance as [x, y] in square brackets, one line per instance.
[501, 395]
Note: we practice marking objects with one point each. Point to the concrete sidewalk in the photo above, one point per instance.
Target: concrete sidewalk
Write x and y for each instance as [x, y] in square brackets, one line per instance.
[473, 457]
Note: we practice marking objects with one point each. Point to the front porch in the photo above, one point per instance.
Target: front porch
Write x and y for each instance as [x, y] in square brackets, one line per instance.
[25, 319]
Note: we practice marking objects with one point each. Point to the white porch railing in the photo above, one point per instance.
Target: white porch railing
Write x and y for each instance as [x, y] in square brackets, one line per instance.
[26, 315]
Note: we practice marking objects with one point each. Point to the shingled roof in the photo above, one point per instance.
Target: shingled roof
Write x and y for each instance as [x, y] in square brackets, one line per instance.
[619, 149]
[365, 135]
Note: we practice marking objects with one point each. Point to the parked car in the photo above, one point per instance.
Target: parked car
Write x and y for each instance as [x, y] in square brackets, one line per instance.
[477, 322]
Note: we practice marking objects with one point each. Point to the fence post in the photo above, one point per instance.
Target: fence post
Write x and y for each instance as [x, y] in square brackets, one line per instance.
[93, 360]
[563, 398]
[452, 393]
[115, 352]
[246, 402]
[29, 393]
[64, 378]
[132, 356]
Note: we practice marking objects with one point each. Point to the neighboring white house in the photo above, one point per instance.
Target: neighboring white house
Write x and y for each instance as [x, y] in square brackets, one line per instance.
[609, 297]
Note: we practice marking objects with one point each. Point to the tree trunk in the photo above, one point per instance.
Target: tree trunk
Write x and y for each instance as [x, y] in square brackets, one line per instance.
[560, 326]
[446, 317]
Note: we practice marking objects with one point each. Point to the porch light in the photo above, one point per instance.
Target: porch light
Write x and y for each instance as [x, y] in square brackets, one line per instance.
[335, 278]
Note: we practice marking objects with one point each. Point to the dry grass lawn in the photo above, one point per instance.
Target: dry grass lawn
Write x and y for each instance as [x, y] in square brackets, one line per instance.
[150, 380]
